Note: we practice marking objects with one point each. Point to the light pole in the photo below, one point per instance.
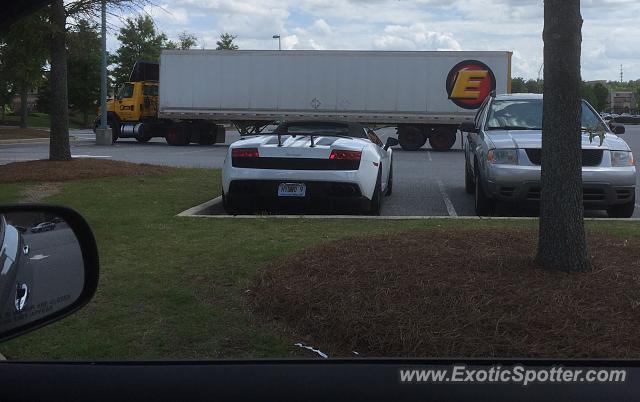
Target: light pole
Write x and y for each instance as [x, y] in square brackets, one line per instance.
[278, 38]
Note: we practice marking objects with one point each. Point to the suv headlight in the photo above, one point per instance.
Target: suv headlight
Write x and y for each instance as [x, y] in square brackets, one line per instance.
[622, 158]
[503, 156]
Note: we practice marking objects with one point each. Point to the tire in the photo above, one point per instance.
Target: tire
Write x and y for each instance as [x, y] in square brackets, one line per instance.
[206, 139]
[469, 184]
[390, 180]
[622, 210]
[228, 206]
[411, 138]
[484, 205]
[442, 139]
[177, 135]
[376, 200]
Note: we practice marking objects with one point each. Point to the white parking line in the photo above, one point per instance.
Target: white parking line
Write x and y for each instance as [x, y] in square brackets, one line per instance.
[447, 202]
[91, 156]
[429, 155]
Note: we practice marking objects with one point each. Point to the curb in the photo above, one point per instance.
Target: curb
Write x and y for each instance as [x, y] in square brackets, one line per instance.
[198, 209]
[31, 140]
[196, 212]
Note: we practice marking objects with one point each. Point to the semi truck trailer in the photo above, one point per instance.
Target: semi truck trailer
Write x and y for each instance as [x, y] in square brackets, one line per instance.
[425, 95]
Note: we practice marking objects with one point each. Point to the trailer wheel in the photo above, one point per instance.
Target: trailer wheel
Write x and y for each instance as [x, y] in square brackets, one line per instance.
[411, 138]
[442, 139]
[177, 135]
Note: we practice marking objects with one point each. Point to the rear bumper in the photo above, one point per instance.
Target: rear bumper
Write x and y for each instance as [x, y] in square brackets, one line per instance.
[320, 195]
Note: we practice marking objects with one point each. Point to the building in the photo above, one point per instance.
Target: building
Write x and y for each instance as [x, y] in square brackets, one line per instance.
[623, 102]
[32, 100]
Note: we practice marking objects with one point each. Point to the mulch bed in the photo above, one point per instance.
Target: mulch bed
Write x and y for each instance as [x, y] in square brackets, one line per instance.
[455, 294]
[76, 169]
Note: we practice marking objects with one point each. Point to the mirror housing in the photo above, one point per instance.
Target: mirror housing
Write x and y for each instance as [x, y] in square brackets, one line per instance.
[468, 127]
[391, 142]
[617, 128]
[50, 269]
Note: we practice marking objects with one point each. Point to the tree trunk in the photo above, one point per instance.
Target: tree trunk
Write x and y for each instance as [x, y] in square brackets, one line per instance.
[59, 137]
[24, 110]
[561, 243]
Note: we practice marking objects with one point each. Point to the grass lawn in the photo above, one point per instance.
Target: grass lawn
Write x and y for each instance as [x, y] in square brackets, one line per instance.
[42, 120]
[175, 287]
[11, 133]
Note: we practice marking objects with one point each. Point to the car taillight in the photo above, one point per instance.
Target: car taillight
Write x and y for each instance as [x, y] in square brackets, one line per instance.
[345, 155]
[245, 153]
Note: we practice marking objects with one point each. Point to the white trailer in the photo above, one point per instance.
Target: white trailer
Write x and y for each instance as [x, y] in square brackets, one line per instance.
[426, 95]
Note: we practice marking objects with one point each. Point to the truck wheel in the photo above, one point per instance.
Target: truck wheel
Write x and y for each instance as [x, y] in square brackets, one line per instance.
[411, 138]
[442, 139]
[177, 135]
[622, 210]
[469, 185]
[206, 138]
[484, 205]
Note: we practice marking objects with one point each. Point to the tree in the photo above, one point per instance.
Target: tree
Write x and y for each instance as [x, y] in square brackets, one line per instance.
[534, 86]
[59, 149]
[226, 42]
[601, 94]
[24, 53]
[586, 92]
[561, 238]
[518, 85]
[187, 40]
[84, 49]
[139, 40]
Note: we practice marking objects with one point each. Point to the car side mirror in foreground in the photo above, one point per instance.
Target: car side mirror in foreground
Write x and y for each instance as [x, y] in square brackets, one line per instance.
[48, 266]
[617, 128]
[391, 142]
[468, 127]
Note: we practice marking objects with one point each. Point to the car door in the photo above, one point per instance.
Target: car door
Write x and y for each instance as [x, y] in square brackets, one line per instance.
[474, 140]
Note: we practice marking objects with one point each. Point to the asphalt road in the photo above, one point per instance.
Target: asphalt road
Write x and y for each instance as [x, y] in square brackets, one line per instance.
[426, 182]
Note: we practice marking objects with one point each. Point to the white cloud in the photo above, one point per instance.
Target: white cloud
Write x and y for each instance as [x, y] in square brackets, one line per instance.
[609, 30]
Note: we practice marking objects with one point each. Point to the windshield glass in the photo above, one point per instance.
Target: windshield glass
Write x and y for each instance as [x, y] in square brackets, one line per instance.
[126, 91]
[527, 115]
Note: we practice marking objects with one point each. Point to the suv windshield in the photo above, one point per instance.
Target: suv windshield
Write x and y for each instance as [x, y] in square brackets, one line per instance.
[526, 114]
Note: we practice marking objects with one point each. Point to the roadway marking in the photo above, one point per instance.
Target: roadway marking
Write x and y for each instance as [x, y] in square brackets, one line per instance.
[447, 202]
[429, 155]
[91, 156]
[192, 152]
[38, 257]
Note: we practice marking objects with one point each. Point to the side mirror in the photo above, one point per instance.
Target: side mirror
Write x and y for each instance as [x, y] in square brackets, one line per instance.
[617, 128]
[391, 142]
[48, 266]
[468, 127]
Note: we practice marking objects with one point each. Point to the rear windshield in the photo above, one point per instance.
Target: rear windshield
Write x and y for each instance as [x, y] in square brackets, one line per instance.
[527, 115]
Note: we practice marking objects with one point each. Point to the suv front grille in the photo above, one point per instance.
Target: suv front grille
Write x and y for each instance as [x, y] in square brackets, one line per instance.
[590, 157]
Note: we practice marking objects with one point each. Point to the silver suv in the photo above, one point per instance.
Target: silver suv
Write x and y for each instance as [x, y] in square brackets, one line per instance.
[502, 157]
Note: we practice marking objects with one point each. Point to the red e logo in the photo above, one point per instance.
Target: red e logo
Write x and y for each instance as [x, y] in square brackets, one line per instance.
[469, 83]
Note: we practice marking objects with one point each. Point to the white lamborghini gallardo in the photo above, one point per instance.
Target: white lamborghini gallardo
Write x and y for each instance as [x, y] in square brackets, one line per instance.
[308, 164]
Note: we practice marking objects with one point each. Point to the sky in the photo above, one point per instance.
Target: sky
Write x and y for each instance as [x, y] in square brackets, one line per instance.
[610, 31]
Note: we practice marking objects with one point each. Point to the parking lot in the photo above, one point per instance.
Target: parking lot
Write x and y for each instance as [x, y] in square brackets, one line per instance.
[426, 182]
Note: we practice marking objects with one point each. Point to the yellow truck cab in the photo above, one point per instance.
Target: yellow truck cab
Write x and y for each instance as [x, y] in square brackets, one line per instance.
[134, 113]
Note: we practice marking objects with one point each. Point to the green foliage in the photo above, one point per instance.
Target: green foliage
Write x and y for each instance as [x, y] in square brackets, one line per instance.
[587, 93]
[139, 40]
[84, 50]
[226, 42]
[187, 40]
[23, 52]
[518, 85]
[534, 86]
[601, 94]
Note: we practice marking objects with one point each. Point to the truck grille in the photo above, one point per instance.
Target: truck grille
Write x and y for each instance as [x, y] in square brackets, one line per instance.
[590, 157]
[296, 163]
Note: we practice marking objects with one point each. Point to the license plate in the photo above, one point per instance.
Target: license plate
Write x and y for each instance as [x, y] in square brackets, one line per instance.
[292, 190]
